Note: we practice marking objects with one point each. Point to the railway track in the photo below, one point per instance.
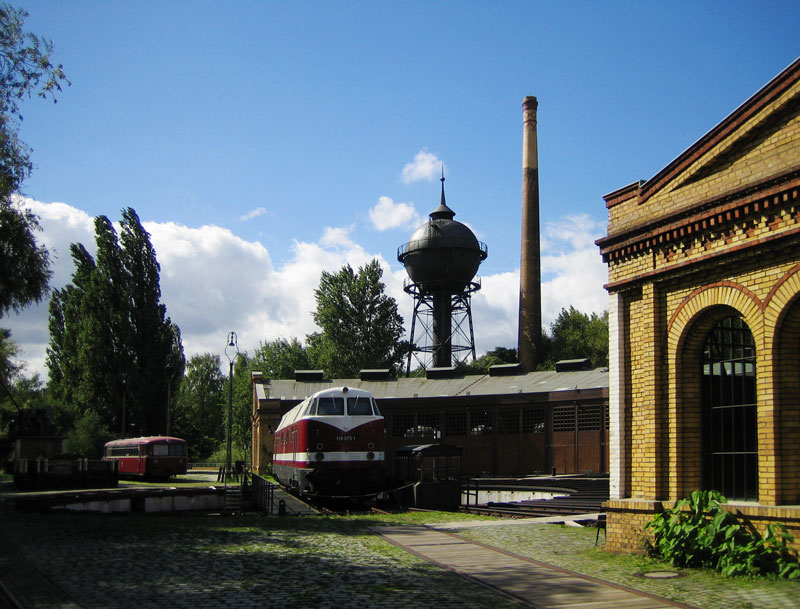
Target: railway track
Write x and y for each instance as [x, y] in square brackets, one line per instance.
[581, 496]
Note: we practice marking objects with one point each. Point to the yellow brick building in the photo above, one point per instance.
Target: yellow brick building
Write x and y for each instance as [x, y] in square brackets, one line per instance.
[704, 313]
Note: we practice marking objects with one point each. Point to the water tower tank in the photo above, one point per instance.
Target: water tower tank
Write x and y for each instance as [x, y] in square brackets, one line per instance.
[442, 259]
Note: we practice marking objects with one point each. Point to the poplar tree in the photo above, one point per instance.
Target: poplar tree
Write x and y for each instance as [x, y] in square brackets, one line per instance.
[113, 350]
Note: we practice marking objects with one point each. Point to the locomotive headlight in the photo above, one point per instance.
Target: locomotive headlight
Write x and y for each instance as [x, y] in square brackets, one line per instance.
[320, 456]
[370, 445]
[319, 445]
[370, 456]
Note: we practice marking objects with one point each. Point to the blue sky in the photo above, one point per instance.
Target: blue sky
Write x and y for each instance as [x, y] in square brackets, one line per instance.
[262, 142]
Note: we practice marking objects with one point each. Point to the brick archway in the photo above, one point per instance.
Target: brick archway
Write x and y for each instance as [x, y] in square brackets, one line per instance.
[688, 327]
[782, 316]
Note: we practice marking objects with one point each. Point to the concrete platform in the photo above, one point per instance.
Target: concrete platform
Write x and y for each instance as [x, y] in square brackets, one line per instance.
[294, 506]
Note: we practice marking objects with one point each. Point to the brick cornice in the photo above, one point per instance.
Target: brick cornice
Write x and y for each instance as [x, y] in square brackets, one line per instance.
[729, 207]
[684, 265]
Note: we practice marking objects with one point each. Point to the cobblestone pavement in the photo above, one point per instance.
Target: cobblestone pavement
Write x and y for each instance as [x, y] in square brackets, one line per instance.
[69, 561]
[147, 561]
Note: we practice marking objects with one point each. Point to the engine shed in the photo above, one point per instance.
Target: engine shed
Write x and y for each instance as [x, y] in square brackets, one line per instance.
[506, 423]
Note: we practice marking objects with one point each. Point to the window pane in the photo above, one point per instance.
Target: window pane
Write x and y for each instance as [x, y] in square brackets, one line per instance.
[359, 406]
[330, 406]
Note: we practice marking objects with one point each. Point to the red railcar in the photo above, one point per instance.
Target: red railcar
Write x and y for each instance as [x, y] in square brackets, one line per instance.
[331, 444]
[151, 457]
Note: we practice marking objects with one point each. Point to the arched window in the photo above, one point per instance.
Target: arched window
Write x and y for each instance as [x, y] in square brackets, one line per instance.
[730, 450]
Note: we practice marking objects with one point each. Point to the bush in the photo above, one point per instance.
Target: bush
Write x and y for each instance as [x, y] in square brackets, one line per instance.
[697, 532]
[88, 436]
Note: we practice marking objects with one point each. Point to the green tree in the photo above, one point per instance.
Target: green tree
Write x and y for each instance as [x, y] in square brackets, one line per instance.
[25, 69]
[575, 335]
[497, 356]
[361, 327]
[198, 416]
[88, 436]
[279, 358]
[112, 348]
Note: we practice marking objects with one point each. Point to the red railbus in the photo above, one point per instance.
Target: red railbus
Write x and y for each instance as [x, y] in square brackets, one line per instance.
[151, 457]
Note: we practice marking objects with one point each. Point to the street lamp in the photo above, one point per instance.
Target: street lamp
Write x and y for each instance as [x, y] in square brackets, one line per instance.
[233, 346]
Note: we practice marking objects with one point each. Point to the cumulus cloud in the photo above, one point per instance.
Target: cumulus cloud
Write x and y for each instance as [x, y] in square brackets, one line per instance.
[573, 272]
[386, 214]
[425, 166]
[213, 281]
[259, 211]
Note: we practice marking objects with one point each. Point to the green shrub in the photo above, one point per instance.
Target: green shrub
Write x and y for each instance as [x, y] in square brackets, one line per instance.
[697, 532]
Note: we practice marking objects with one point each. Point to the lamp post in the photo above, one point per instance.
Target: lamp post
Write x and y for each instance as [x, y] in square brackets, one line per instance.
[233, 346]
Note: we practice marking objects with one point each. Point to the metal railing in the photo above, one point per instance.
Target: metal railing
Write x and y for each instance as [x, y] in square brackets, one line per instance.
[263, 494]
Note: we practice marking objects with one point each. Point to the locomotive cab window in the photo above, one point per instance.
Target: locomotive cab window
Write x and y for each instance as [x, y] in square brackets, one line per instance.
[359, 406]
[330, 407]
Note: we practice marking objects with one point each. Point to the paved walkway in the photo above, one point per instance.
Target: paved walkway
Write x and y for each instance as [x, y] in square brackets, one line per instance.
[540, 585]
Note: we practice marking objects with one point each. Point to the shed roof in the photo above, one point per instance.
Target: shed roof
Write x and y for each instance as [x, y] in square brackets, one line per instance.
[474, 385]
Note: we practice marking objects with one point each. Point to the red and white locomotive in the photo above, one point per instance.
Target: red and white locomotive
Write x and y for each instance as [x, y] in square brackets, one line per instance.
[331, 444]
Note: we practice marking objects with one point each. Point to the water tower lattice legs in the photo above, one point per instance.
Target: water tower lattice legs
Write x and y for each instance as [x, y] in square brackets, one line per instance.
[441, 330]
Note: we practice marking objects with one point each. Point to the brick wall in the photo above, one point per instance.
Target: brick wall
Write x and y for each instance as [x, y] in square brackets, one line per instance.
[716, 233]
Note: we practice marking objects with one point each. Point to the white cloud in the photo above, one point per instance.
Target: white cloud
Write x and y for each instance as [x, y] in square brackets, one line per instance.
[213, 281]
[386, 214]
[259, 211]
[573, 274]
[425, 166]
[572, 270]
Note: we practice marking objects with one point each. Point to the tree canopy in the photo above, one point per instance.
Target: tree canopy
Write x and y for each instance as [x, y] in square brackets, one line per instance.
[361, 327]
[25, 68]
[576, 335]
[112, 347]
[279, 358]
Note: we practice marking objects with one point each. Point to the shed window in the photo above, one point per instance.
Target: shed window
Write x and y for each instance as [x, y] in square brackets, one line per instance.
[480, 424]
[455, 424]
[509, 421]
[403, 426]
[533, 420]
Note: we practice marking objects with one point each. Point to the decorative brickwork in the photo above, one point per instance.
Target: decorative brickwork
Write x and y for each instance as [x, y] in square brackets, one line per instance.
[713, 235]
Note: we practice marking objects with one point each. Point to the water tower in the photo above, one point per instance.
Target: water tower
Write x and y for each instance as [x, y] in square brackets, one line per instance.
[441, 259]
